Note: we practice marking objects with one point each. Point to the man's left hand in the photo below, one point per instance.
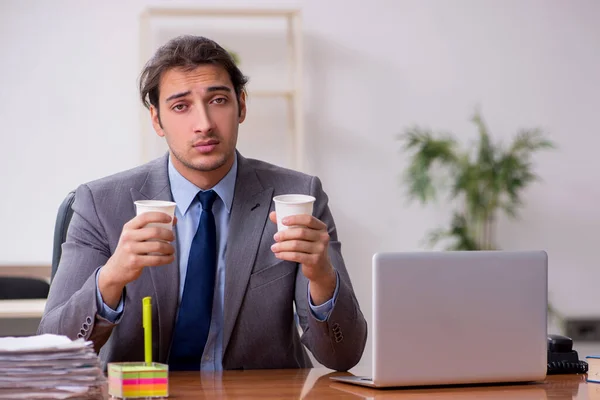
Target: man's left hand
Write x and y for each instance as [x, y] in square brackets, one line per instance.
[306, 241]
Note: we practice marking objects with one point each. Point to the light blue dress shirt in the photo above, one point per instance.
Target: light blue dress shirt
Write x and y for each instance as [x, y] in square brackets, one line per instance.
[188, 212]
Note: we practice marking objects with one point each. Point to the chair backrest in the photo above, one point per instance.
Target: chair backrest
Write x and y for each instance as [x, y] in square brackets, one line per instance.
[63, 218]
[12, 288]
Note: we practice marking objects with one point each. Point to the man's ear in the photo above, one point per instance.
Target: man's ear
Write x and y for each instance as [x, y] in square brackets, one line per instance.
[242, 104]
[156, 121]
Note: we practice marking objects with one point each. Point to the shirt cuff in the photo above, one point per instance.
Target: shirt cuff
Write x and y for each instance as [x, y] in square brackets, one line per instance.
[103, 310]
[322, 311]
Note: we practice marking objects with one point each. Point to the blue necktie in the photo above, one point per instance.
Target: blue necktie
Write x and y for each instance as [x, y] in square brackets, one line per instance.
[193, 321]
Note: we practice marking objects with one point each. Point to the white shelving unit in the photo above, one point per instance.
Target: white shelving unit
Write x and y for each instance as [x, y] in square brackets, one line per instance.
[26, 308]
[292, 92]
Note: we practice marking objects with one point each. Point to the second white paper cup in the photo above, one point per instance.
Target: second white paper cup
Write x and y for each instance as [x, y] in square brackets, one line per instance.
[292, 204]
[167, 207]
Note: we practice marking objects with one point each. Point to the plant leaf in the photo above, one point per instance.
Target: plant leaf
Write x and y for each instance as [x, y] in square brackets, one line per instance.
[487, 180]
[427, 153]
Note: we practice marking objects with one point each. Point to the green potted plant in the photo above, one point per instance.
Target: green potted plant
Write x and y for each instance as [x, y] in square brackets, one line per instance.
[483, 181]
[235, 56]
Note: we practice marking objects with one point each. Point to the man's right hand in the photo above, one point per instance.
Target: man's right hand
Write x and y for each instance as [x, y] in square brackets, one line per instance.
[132, 254]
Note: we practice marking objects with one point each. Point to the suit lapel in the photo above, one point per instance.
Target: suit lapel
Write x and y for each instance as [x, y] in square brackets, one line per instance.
[249, 214]
[165, 279]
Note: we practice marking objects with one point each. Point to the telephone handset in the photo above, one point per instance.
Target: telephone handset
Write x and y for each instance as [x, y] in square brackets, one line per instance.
[562, 359]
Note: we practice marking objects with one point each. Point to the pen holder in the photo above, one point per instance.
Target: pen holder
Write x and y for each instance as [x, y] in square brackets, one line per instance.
[131, 380]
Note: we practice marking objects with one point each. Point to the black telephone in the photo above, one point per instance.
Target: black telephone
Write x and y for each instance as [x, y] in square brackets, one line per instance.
[562, 359]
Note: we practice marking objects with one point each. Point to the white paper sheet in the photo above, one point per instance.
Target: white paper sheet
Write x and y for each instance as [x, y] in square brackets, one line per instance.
[50, 367]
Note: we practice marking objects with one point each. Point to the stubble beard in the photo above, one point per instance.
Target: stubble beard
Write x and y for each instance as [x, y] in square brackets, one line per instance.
[200, 166]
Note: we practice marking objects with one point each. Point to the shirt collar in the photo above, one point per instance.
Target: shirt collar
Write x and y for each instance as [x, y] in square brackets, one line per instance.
[185, 191]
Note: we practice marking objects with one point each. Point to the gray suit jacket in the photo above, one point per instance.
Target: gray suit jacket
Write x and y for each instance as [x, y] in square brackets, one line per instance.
[260, 290]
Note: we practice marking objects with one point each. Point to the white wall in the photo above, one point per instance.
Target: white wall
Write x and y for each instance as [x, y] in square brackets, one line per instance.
[69, 113]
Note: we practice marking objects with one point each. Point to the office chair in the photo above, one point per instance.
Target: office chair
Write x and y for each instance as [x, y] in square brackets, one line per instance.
[12, 288]
[63, 218]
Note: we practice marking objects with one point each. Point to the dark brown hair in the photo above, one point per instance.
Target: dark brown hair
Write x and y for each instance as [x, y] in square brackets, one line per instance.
[187, 52]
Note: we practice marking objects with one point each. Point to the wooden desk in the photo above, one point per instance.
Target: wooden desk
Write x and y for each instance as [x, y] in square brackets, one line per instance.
[33, 308]
[315, 384]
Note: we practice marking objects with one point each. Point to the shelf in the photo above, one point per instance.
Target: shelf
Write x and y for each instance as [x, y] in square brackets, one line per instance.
[213, 12]
[27, 271]
[292, 87]
[270, 93]
[26, 308]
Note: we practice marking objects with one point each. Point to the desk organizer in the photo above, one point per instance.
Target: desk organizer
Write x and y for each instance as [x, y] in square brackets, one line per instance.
[130, 380]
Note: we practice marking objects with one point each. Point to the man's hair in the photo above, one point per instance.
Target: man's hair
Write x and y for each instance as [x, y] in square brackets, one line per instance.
[187, 52]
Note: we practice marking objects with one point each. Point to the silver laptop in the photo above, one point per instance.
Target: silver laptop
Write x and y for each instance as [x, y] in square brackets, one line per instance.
[444, 318]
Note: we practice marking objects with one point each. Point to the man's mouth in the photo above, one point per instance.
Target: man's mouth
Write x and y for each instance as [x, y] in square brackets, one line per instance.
[206, 146]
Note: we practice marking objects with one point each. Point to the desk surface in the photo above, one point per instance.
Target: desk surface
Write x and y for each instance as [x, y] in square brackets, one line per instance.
[315, 384]
[33, 308]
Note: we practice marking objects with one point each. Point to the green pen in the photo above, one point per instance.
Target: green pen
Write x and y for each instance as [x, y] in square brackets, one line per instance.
[147, 324]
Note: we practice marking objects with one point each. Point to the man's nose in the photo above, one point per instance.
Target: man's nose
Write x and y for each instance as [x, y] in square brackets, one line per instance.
[203, 122]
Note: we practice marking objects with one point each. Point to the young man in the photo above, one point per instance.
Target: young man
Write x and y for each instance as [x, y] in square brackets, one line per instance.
[223, 282]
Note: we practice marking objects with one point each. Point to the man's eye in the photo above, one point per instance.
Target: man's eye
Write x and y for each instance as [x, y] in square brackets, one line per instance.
[220, 100]
[179, 107]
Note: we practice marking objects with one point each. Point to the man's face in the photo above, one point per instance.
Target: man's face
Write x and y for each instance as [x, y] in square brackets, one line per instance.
[199, 118]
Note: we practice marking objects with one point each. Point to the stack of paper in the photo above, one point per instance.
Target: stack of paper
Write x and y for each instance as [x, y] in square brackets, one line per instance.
[50, 367]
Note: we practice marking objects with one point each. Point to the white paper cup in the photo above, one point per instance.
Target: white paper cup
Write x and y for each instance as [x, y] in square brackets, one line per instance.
[167, 207]
[292, 204]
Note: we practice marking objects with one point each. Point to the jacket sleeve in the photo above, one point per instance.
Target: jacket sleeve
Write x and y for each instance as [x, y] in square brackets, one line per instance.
[339, 341]
[72, 307]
